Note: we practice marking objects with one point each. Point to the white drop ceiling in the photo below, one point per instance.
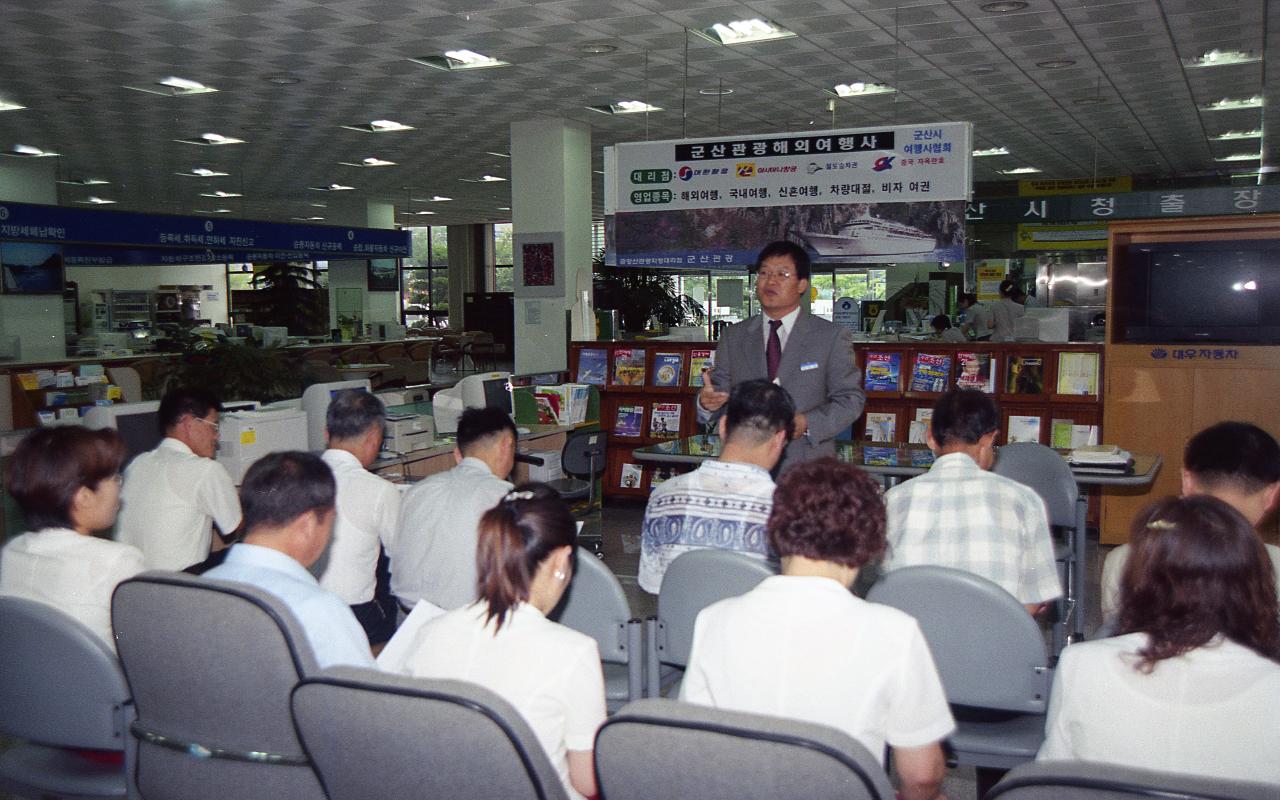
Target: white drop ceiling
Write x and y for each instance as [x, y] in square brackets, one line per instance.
[949, 60]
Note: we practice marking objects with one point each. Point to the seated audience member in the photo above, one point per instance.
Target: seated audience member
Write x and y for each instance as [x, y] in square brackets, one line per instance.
[368, 509]
[960, 515]
[504, 641]
[1236, 462]
[977, 317]
[942, 329]
[174, 494]
[801, 645]
[66, 480]
[288, 501]
[433, 557]
[723, 503]
[1192, 683]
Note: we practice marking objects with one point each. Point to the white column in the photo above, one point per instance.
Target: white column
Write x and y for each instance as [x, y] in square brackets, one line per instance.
[36, 319]
[351, 274]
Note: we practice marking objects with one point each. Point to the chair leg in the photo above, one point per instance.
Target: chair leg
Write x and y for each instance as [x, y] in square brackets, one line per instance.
[652, 669]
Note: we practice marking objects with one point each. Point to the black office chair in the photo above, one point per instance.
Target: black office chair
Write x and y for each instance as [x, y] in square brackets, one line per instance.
[583, 460]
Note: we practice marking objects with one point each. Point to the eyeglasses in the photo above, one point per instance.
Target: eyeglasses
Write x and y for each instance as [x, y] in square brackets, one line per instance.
[216, 427]
[773, 275]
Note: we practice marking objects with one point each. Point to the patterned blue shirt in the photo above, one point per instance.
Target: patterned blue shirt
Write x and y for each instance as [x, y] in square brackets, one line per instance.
[720, 504]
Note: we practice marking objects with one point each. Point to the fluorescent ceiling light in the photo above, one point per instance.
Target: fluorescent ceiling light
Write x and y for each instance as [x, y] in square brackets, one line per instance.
[744, 31]
[1256, 133]
[991, 151]
[221, 194]
[1019, 171]
[84, 182]
[211, 140]
[459, 60]
[333, 187]
[625, 107]
[5, 105]
[1056, 63]
[202, 172]
[435, 198]
[371, 161]
[862, 89]
[27, 151]
[1003, 7]
[417, 213]
[174, 87]
[1222, 58]
[379, 126]
[1232, 103]
[504, 208]
[717, 92]
[483, 179]
[1241, 157]
[91, 200]
[596, 48]
[308, 219]
[318, 205]
[212, 210]
[499, 155]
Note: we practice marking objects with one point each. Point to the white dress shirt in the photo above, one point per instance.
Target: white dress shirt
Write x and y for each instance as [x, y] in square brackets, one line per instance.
[434, 553]
[806, 648]
[1113, 569]
[169, 501]
[368, 513]
[788, 322]
[74, 573]
[550, 673]
[1211, 711]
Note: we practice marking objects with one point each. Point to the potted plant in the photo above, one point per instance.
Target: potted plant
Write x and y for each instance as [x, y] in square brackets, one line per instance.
[642, 294]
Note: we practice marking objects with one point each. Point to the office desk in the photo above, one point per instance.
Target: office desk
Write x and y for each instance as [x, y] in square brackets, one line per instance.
[419, 464]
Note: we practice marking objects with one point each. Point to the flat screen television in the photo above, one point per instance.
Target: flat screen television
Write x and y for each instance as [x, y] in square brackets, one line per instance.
[31, 268]
[1191, 292]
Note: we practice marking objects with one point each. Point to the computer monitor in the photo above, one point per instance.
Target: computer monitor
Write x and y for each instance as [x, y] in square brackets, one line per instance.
[482, 390]
[137, 423]
[315, 401]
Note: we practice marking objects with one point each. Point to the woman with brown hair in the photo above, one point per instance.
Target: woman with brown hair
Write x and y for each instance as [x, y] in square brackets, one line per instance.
[1192, 682]
[66, 480]
[505, 643]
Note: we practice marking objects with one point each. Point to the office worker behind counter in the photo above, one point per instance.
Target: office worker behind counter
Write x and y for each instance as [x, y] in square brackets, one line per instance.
[806, 355]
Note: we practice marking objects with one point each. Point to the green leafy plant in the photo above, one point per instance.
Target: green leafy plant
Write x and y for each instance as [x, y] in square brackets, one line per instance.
[640, 294]
[237, 372]
[288, 294]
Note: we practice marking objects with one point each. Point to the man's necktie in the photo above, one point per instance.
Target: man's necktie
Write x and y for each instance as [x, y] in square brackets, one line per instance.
[773, 351]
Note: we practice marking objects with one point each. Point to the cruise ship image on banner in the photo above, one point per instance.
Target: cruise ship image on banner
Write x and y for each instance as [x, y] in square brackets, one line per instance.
[869, 236]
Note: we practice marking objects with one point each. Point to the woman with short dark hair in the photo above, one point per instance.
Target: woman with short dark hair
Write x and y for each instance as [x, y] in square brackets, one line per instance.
[801, 645]
[504, 641]
[66, 480]
[1192, 682]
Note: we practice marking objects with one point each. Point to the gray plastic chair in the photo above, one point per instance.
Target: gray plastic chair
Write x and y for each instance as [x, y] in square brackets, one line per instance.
[663, 748]
[372, 734]
[595, 605]
[211, 664]
[60, 688]
[693, 581]
[990, 655]
[1046, 472]
[1080, 780]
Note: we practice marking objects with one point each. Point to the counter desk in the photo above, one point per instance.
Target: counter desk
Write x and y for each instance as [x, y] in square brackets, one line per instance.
[419, 464]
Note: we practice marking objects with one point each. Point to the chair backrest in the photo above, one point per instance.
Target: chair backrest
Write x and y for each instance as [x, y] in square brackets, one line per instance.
[1079, 780]
[211, 664]
[663, 748]
[129, 381]
[695, 580]
[583, 455]
[372, 734]
[596, 605]
[60, 684]
[989, 651]
[1047, 473]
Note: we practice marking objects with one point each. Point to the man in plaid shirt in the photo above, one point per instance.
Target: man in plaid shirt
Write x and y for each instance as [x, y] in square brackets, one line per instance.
[959, 515]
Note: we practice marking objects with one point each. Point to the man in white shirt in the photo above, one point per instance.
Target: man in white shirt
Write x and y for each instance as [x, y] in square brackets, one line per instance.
[368, 509]
[288, 513]
[1236, 462]
[433, 557]
[722, 503]
[977, 317]
[959, 515]
[174, 494]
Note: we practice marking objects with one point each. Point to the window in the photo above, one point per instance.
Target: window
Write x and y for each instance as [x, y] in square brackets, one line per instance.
[866, 284]
[502, 276]
[425, 288]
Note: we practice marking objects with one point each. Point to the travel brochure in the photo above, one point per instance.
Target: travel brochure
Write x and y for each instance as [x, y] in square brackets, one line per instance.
[918, 431]
[628, 366]
[666, 369]
[880, 456]
[930, 373]
[1026, 375]
[976, 371]
[698, 361]
[1078, 373]
[883, 372]
[664, 422]
[1023, 428]
[629, 420]
[593, 366]
[1064, 434]
[632, 474]
[881, 426]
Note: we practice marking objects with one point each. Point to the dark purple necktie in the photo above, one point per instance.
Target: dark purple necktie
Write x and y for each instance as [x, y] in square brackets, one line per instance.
[773, 351]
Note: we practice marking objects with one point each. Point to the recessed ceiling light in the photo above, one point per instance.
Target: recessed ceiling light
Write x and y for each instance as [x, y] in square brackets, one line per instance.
[84, 182]
[744, 31]
[1056, 63]
[174, 87]
[1019, 171]
[504, 208]
[499, 155]
[202, 172]
[282, 80]
[371, 161]
[598, 171]
[211, 210]
[1233, 103]
[625, 107]
[307, 219]
[982, 69]
[716, 92]
[483, 179]
[862, 89]
[597, 48]
[221, 194]
[1003, 6]
[93, 200]
[379, 126]
[73, 98]
[417, 213]
[318, 205]
[991, 151]
[5, 105]
[1222, 58]
[435, 198]
[1256, 133]
[454, 60]
[1241, 157]
[333, 187]
[211, 140]
[27, 151]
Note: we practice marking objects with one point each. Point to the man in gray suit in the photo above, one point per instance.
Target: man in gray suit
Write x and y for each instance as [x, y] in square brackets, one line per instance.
[809, 357]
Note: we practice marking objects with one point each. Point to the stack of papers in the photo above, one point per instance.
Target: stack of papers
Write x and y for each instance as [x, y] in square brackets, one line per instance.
[1100, 457]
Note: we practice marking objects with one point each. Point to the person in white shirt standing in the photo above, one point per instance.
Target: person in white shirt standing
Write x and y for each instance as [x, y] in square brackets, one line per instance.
[368, 509]
[174, 494]
[434, 554]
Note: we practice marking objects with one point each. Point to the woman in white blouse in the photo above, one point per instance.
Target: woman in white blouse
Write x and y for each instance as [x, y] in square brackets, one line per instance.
[1192, 683]
[66, 480]
[504, 641]
[1005, 313]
